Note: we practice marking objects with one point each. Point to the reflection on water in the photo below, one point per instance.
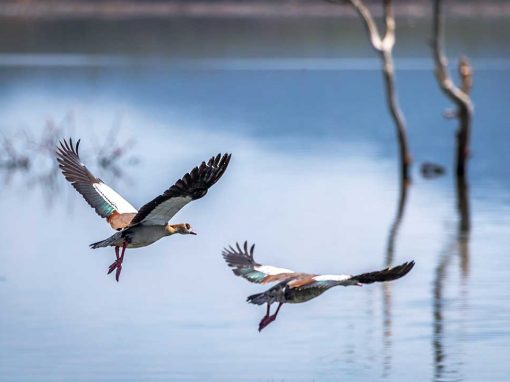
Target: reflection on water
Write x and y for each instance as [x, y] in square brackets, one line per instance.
[34, 157]
[390, 253]
[443, 367]
[313, 179]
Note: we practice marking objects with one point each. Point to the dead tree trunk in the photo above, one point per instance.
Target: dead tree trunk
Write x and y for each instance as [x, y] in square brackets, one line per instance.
[384, 47]
[460, 96]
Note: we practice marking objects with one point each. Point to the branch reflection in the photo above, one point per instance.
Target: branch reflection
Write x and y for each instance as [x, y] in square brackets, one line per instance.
[459, 246]
[32, 158]
[390, 254]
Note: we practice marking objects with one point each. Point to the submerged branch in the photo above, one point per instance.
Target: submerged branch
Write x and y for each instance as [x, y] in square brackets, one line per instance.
[464, 225]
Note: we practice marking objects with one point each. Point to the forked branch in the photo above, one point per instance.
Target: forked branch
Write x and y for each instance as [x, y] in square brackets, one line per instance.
[460, 96]
[384, 46]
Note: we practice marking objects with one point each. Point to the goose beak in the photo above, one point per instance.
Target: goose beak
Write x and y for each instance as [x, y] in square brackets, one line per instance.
[192, 233]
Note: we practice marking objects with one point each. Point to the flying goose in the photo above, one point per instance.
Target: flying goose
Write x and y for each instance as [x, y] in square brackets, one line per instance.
[150, 223]
[294, 287]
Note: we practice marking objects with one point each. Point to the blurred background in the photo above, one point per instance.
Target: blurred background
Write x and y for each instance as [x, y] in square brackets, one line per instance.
[295, 91]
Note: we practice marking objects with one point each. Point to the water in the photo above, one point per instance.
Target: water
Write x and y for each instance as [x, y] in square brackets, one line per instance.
[313, 182]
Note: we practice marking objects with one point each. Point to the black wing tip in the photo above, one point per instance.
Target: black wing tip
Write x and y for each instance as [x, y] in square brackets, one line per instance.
[219, 162]
[198, 181]
[218, 157]
[387, 274]
[67, 146]
[408, 265]
[232, 250]
[68, 158]
[239, 257]
[194, 184]
[401, 270]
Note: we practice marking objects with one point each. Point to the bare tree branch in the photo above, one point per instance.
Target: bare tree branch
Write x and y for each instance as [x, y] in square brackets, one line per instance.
[370, 24]
[385, 47]
[460, 96]
[389, 19]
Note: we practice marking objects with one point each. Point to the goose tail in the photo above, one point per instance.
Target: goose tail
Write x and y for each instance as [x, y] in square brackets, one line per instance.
[258, 299]
[111, 241]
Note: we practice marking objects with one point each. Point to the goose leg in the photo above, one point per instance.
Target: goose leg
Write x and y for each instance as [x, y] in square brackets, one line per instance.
[262, 324]
[119, 267]
[112, 267]
[267, 318]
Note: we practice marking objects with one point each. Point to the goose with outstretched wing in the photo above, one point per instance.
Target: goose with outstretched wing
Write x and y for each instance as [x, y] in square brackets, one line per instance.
[150, 223]
[295, 287]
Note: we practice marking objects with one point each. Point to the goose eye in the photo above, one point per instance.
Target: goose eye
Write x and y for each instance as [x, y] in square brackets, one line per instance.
[188, 226]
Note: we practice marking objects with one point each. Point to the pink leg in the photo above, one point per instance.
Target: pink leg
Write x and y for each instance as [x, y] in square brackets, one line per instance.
[112, 266]
[267, 318]
[262, 324]
[119, 267]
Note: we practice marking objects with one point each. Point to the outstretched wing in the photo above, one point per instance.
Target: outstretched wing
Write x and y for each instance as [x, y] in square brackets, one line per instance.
[328, 281]
[107, 203]
[387, 274]
[192, 186]
[242, 263]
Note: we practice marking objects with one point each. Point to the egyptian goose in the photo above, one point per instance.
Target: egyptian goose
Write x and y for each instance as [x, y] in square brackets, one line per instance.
[294, 287]
[150, 223]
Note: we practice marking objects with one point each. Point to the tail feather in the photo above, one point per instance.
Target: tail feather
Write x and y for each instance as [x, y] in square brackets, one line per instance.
[107, 242]
[258, 299]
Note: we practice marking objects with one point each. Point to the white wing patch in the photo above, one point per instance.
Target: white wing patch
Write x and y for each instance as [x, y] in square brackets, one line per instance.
[270, 270]
[111, 196]
[332, 277]
[163, 212]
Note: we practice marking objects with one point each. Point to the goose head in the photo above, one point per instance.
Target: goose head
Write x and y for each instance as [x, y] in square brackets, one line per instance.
[183, 229]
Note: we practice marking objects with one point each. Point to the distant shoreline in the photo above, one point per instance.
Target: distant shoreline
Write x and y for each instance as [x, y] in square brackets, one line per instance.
[116, 9]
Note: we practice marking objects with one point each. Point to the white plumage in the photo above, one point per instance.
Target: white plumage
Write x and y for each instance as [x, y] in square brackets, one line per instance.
[332, 277]
[113, 198]
[270, 270]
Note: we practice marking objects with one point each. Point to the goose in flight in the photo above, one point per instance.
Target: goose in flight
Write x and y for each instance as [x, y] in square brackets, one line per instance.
[294, 287]
[150, 223]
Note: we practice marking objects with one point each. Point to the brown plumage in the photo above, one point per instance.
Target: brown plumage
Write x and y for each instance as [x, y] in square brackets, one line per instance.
[119, 221]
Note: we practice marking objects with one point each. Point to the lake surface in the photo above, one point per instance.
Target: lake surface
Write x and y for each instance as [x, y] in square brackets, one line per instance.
[313, 182]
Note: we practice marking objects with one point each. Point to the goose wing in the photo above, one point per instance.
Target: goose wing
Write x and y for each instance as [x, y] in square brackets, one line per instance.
[387, 274]
[191, 186]
[107, 203]
[242, 263]
[328, 281]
